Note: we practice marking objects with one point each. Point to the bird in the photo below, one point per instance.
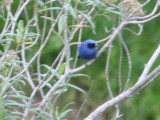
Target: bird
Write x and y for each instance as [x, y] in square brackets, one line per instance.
[88, 49]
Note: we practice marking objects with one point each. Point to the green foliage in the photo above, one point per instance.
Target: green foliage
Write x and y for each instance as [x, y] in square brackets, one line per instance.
[24, 41]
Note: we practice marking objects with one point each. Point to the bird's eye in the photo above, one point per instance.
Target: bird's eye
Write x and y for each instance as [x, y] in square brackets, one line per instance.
[91, 45]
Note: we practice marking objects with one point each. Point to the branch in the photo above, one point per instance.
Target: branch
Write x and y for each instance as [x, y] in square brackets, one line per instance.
[144, 21]
[149, 64]
[131, 91]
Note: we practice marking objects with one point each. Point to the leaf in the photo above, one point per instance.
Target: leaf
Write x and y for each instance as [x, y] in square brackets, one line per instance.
[77, 88]
[62, 115]
[61, 23]
[21, 26]
[6, 40]
[11, 34]
[11, 84]
[17, 114]
[60, 91]
[47, 18]
[112, 10]
[48, 68]
[72, 12]
[20, 97]
[31, 35]
[41, 113]
[14, 92]
[61, 69]
[51, 8]
[15, 104]
[51, 70]
[88, 19]
[29, 23]
[66, 106]
[80, 75]
[40, 2]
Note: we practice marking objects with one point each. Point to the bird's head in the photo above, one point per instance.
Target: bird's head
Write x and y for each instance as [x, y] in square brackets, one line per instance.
[91, 44]
[88, 49]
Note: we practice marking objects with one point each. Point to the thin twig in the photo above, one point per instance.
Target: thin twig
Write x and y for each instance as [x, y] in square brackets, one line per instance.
[129, 61]
[120, 66]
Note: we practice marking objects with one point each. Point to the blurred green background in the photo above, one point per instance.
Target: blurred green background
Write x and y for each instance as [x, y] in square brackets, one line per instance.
[143, 106]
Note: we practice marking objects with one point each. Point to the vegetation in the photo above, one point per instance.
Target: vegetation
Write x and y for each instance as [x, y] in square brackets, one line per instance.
[41, 77]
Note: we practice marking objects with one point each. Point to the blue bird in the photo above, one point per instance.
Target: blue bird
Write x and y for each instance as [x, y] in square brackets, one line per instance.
[88, 49]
